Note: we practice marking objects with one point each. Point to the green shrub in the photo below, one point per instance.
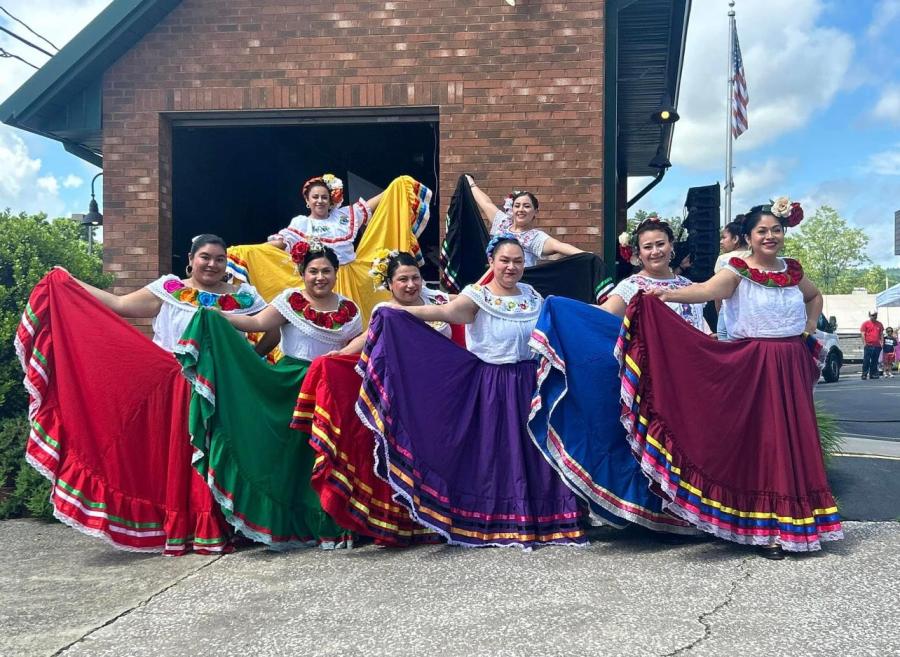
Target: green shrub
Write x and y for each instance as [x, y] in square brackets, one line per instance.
[30, 245]
[829, 433]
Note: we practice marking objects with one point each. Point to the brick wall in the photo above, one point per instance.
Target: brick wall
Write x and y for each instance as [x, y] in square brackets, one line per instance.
[520, 92]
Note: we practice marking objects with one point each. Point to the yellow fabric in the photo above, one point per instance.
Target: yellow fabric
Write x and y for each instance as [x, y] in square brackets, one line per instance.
[401, 215]
[268, 268]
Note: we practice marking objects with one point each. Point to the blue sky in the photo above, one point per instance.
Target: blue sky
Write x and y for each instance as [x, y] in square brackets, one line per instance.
[824, 84]
[824, 112]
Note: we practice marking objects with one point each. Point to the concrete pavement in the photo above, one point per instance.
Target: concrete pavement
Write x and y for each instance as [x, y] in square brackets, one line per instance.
[65, 594]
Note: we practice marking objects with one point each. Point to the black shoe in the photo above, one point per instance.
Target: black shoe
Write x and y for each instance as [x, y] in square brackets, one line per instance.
[864, 377]
[772, 552]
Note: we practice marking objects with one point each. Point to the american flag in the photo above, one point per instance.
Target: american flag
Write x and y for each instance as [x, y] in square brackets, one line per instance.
[740, 98]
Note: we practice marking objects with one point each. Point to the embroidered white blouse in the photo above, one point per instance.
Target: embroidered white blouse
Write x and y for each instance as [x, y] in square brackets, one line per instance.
[692, 313]
[532, 240]
[431, 298]
[758, 310]
[309, 333]
[338, 230]
[503, 325]
[180, 302]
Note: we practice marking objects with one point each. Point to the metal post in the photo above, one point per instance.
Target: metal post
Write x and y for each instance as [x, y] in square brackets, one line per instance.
[729, 182]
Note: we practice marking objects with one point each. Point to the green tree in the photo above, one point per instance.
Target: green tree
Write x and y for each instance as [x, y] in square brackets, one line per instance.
[828, 248]
[643, 215]
[29, 246]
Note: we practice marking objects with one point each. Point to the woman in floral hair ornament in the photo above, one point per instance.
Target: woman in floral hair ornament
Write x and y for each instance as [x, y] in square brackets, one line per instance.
[171, 301]
[113, 408]
[350, 481]
[391, 220]
[450, 423]
[652, 247]
[518, 217]
[399, 274]
[242, 407]
[750, 472]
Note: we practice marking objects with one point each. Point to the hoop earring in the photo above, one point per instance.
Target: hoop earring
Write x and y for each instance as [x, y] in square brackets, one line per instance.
[188, 270]
[672, 256]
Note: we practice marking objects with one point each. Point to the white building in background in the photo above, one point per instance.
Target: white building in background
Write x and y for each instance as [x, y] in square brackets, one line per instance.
[851, 310]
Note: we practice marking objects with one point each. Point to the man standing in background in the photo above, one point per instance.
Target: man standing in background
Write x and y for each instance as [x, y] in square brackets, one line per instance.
[871, 331]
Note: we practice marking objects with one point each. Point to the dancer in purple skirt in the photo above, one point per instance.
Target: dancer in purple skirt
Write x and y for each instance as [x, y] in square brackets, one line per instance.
[450, 423]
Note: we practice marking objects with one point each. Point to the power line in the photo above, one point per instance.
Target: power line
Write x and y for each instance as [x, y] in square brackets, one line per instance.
[22, 23]
[25, 41]
[4, 54]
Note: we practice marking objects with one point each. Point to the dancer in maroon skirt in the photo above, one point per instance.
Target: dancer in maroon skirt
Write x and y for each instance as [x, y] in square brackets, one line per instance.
[751, 472]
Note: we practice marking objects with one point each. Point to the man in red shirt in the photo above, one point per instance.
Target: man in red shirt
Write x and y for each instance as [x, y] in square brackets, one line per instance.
[871, 331]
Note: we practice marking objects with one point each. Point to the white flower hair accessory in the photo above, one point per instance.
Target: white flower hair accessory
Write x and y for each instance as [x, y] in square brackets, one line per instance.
[379, 271]
[781, 207]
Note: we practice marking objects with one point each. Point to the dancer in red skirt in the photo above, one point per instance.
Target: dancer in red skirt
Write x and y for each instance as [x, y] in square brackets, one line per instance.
[348, 476]
[109, 408]
[750, 472]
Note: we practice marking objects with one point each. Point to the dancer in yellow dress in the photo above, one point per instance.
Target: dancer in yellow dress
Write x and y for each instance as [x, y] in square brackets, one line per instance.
[393, 220]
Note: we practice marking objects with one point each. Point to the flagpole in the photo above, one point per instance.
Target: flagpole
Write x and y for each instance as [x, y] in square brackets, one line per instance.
[729, 109]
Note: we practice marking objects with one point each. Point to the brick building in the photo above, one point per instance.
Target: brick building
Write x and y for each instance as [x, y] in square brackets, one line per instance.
[207, 115]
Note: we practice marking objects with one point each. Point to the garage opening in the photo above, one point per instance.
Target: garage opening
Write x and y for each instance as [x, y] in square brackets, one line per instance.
[242, 180]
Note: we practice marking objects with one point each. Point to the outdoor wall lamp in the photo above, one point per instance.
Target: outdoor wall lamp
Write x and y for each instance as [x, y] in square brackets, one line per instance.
[93, 216]
[666, 112]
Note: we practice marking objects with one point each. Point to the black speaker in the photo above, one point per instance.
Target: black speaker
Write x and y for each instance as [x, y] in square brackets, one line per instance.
[702, 223]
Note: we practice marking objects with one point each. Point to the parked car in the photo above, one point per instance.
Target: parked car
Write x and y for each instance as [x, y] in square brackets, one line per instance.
[831, 348]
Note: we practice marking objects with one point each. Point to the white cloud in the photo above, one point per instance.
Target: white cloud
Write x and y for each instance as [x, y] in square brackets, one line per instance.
[885, 163]
[22, 187]
[57, 21]
[49, 184]
[888, 106]
[72, 181]
[757, 183]
[884, 14]
[17, 168]
[794, 68]
[23, 184]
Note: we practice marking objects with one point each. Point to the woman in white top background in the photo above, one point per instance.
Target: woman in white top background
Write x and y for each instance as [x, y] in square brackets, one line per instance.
[655, 244]
[519, 219]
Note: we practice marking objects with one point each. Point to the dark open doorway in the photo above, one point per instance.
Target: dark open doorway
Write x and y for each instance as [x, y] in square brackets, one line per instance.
[243, 182]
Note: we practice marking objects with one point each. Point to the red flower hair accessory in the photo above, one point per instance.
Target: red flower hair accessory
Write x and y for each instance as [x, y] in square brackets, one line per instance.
[782, 208]
[796, 215]
[299, 251]
[304, 246]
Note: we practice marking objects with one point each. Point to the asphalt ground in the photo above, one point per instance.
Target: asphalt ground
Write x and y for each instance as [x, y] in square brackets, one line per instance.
[867, 409]
[66, 595]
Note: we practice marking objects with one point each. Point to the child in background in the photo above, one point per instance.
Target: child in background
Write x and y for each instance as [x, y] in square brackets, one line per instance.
[889, 344]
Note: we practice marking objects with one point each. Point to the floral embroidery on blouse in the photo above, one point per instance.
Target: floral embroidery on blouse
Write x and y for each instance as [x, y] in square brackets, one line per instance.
[194, 297]
[788, 278]
[528, 302]
[327, 319]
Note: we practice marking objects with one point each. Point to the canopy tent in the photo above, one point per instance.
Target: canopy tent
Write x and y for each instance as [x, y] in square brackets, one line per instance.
[889, 298]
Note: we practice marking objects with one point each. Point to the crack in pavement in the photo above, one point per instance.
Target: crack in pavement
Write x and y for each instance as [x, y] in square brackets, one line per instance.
[702, 618]
[142, 603]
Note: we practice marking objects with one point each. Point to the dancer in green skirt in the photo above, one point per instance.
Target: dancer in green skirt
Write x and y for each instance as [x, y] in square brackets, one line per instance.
[257, 467]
